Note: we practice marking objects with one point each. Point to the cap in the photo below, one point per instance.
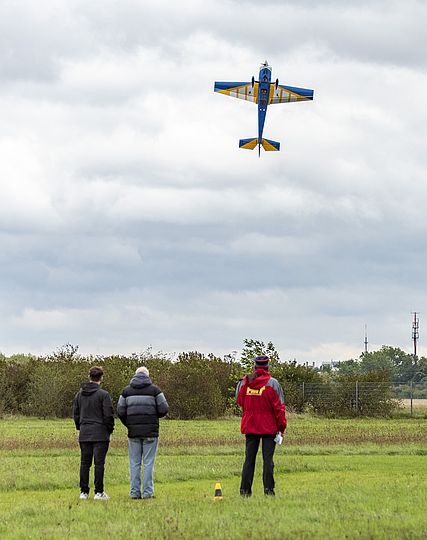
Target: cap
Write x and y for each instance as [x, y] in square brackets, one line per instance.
[262, 361]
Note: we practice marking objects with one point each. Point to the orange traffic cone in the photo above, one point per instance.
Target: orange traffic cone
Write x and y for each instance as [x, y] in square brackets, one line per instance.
[218, 492]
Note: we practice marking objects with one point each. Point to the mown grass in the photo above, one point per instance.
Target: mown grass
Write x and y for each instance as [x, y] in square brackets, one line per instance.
[335, 479]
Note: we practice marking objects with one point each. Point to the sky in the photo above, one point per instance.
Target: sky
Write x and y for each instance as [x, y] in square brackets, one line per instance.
[129, 217]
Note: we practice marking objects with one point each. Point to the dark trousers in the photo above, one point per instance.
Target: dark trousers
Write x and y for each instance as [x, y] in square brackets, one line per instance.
[268, 447]
[95, 451]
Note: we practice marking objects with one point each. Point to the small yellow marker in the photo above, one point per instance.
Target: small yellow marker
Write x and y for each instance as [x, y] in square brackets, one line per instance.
[218, 492]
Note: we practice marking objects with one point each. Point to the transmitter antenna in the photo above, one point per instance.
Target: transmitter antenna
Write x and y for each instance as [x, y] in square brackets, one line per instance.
[415, 333]
[366, 338]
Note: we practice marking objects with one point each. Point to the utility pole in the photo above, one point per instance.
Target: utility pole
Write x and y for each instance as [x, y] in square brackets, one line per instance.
[415, 337]
[415, 333]
[366, 338]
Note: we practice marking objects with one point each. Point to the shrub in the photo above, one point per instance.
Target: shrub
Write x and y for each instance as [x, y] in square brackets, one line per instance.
[52, 387]
[14, 384]
[197, 386]
[369, 394]
[291, 376]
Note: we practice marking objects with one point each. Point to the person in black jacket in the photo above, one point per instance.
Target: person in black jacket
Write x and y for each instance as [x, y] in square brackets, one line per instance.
[93, 416]
[140, 406]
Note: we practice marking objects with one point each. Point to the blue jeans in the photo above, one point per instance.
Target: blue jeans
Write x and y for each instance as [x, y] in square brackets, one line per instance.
[142, 449]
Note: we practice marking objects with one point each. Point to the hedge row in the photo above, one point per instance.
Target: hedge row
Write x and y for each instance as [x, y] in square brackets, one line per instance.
[195, 385]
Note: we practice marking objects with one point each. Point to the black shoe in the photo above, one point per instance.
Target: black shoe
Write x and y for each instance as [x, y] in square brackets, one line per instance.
[149, 497]
[135, 497]
[269, 492]
[245, 493]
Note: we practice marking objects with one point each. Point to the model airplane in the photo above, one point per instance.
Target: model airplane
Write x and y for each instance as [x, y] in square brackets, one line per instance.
[264, 93]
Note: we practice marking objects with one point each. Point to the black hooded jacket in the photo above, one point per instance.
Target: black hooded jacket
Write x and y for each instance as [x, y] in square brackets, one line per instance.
[93, 413]
[140, 406]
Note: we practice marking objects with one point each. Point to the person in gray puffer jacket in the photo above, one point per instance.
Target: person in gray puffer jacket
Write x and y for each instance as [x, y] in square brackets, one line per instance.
[139, 408]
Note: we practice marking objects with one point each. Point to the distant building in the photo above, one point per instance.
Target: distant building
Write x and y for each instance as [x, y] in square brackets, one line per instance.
[311, 365]
[329, 366]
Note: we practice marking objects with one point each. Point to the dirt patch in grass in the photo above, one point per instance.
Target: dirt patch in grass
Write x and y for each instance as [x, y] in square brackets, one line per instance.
[290, 440]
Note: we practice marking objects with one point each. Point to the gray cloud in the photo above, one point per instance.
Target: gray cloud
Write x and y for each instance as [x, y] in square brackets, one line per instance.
[128, 216]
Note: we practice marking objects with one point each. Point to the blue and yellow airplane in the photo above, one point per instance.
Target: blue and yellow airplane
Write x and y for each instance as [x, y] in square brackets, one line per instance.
[264, 93]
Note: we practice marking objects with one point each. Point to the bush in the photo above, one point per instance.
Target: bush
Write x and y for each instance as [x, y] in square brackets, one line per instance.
[14, 384]
[197, 386]
[52, 387]
[370, 394]
[292, 376]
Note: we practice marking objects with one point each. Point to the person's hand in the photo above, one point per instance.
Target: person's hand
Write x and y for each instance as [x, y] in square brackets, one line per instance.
[278, 438]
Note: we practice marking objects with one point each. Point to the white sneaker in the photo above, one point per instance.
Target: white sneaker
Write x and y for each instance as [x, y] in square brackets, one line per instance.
[101, 496]
[84, 496]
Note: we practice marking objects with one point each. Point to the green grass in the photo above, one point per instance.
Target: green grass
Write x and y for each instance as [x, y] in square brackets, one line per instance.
[335, 479]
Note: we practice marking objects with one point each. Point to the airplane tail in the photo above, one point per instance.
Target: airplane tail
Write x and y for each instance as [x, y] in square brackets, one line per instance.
[250, 144]
[270, 146]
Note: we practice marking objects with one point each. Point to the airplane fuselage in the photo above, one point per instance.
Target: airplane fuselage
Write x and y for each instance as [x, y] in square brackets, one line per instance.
[263, 97]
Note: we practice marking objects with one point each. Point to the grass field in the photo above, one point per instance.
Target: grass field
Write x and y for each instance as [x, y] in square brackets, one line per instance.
[335, 479]
[416, 403]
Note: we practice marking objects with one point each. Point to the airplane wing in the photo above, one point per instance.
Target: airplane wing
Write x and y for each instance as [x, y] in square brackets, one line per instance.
[241, 90]
[288, 94]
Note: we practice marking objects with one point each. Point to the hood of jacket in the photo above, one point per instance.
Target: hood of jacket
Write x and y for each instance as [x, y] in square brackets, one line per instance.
[258, 378]
[89, 388]
[140, 380]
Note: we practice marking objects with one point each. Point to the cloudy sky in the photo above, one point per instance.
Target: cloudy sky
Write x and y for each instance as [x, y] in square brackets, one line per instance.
[129, 217]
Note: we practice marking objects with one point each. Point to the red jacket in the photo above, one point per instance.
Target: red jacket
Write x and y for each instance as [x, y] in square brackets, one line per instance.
[262, 401]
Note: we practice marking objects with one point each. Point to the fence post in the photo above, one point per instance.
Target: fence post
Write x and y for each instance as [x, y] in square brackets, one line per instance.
[357, 398]
[412, 394]
[303, 394]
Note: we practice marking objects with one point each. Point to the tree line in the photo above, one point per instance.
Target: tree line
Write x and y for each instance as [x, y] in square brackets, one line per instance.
[199, 385]
[400, 367]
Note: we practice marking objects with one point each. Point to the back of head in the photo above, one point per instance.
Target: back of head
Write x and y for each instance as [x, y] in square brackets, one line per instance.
[143, 370]
[96, 373]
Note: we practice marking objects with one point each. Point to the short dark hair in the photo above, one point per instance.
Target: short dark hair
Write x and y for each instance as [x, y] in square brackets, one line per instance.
[96, 373]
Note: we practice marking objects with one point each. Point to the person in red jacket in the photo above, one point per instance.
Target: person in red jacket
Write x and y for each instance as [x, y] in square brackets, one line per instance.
[262, 400]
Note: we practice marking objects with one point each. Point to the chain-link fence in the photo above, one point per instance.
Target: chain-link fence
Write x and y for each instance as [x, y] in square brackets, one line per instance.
[364, 398]
[412, 397]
